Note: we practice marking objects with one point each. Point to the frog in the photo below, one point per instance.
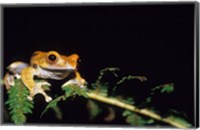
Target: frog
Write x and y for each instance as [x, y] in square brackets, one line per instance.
[44, 65]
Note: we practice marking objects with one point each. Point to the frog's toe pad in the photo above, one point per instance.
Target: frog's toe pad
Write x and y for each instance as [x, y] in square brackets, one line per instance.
[72, 81]
[48, 99]
[30, 98]
[18, 76]
[43, 83]
[46, 83]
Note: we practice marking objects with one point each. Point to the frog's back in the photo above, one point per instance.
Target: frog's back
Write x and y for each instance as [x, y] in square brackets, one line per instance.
[16, 67]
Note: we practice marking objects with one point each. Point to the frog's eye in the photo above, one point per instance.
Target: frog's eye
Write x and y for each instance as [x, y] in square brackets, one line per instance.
[52, 58]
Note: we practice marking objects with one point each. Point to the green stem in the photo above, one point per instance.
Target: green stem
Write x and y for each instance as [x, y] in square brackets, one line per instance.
[144, 112]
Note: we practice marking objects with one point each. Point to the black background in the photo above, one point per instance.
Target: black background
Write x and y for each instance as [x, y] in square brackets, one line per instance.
[155, 40]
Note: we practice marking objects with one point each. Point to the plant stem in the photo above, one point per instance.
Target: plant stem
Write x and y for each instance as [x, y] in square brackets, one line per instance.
[145, 112]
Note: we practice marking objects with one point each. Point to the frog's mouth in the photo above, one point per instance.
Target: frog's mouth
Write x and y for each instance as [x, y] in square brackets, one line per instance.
[55, 73]
[60, 69]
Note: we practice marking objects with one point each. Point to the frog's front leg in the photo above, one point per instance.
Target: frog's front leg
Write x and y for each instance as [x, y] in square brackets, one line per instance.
[9, 80]
[14, 70]
[77, 80]
[27, 76]
[39, 89]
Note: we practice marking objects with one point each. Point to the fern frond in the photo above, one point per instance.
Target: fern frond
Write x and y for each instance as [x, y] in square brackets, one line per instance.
[102, 72]
[17, 102]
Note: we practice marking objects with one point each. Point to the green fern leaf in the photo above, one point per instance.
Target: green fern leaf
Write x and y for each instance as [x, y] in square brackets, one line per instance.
[17, 102]
[94, 109]
[168, 88]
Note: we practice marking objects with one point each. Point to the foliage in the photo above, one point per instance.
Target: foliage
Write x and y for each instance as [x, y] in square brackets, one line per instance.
[53, 104]
[111, 115]
[72, 90]
[168, 88]
[102, 72]
[128, 100]
[100, 87]
[179, 120]
[165, 88]
[94, 109]
[130, 77]
[18, 103]
[58, 112]
[135, 119]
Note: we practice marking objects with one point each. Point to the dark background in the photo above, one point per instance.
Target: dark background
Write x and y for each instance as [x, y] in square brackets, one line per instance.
[154, 40]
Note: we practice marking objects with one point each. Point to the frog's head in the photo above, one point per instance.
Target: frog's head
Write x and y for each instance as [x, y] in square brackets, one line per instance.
[53, 61]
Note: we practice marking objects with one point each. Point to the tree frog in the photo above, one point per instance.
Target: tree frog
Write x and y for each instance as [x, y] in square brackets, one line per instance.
[44, 65]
